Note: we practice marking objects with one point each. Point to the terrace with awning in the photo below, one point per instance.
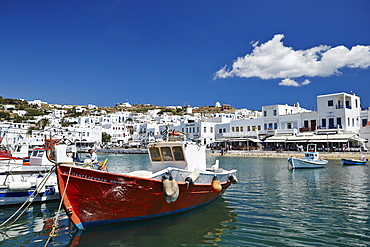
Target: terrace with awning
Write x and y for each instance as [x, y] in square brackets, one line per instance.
[331, 140]
[317, 138]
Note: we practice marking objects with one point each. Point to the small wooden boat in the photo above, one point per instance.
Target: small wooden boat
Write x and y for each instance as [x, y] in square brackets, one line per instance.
[353, 162]
[178, 181]
[311, 159]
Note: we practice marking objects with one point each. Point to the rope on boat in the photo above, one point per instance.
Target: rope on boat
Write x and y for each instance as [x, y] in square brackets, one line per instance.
[27, 203]
[55, 223]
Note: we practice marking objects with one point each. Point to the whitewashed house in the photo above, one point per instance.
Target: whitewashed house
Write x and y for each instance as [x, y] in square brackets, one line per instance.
[339, 111]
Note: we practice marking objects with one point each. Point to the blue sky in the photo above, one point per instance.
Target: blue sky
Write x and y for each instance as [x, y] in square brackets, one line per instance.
[244, 53]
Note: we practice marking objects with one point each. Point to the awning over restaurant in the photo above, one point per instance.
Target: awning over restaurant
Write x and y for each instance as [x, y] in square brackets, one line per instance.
[238, 140]
[275, 140]
[317, 138]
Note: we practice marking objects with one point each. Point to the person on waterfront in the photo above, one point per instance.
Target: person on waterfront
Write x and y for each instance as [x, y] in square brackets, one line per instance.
[92, 159]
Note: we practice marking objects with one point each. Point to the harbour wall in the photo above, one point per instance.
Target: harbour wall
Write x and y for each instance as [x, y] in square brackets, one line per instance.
[254, 154]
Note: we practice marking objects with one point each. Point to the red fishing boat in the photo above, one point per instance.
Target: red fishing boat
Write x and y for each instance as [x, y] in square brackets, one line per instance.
[178, 181]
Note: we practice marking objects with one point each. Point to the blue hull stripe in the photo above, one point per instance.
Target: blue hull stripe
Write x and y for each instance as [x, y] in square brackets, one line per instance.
[16, 194]
[106, 222]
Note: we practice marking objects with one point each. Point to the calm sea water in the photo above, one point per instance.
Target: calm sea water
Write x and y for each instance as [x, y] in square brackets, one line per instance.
[270, 206]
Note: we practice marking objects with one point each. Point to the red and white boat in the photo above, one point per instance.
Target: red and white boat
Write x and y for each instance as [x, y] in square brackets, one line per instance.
[22, 182]
[178, 181]
[17, 155]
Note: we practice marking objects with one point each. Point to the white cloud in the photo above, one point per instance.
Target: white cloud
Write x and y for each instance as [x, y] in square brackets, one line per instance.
[293, 83]
[306, 82]
[272, 60]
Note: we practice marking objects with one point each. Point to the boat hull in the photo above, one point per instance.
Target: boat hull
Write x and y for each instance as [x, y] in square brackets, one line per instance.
[94, 198]
[353, 162]
[21, 183]
[11, 197]
[306, 164]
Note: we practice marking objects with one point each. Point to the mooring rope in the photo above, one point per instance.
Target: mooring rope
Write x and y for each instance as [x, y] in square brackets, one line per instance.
[55, 223]
[27, 203]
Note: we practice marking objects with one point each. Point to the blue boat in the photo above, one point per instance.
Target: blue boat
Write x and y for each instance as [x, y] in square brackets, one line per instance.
[353, 162]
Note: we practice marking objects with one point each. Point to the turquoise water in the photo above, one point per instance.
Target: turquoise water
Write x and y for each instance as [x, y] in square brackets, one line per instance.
[270, 206]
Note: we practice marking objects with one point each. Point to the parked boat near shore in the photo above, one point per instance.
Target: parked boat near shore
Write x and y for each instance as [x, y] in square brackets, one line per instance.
[178, 181]
[353, 162]
[22, 181]
[21, 185]
[311, 159]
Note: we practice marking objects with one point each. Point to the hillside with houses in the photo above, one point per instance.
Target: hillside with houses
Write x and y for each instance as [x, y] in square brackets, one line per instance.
[338, 124]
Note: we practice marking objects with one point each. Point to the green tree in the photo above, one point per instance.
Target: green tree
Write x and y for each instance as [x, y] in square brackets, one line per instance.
[106, 137]
[4, 114]
[43, 123]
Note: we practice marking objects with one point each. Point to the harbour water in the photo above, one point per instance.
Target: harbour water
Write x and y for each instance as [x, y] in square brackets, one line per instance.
[270, 206]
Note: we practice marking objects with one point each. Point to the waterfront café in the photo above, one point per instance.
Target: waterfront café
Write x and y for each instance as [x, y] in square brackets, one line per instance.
[328, 142]
[246, 144]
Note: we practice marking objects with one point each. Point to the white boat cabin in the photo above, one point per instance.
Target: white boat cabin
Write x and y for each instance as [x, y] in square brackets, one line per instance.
[20, 151]
[311, 152]
[183, 155]
[39, 158]
[311, 155]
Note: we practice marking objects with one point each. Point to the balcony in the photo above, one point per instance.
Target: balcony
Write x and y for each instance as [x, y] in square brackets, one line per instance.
[307, 129]
[340, 106]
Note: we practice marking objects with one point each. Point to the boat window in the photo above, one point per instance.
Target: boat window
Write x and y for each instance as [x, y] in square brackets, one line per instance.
[177, 153]
[166, 154]
[40, 153]
[155, 154]
[34, 153]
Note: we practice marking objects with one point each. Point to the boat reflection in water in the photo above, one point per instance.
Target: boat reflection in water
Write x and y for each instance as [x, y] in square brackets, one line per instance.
[33, 227]
[203, 225]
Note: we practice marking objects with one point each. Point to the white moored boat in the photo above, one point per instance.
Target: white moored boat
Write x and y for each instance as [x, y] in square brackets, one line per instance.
[35, 181]
[311, 159]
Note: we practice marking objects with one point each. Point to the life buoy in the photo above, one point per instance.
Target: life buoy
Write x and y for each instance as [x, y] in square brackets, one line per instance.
[216, 184]
[170, 188]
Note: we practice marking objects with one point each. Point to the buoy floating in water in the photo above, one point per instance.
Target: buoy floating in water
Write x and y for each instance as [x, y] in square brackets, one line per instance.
[170, 188]
[216, 185]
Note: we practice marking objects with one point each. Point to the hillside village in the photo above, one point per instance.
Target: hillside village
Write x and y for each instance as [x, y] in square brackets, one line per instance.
[339, 124]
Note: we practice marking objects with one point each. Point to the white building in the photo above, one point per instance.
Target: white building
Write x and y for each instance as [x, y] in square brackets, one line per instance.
[13, 133]
[20, 112]
[58, 113]
[126, 104]
[339, 111]
[37, 102]
[338, 121]
[336, 124]
[92, 107]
